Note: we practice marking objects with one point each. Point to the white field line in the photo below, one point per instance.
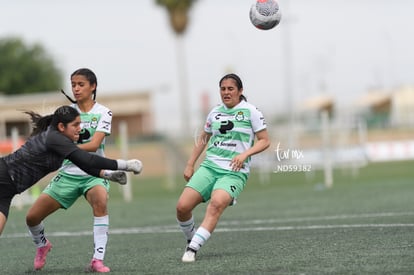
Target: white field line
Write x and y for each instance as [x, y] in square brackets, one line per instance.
[220, 228]
[311, 227]
[321, 218]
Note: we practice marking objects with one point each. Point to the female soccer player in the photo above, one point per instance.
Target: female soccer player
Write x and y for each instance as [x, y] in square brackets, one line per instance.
[71, 182]
[229, 131]
[51, 142]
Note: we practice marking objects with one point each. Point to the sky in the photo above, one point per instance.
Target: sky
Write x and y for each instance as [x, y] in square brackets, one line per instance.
[339, 48]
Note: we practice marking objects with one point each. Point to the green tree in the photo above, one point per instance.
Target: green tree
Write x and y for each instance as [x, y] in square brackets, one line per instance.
[178, 13]
[26, 69]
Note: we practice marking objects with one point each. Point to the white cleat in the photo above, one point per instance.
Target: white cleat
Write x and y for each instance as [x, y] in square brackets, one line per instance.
[189, 256]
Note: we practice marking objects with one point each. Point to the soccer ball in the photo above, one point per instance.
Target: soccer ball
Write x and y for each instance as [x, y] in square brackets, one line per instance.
[265, 14]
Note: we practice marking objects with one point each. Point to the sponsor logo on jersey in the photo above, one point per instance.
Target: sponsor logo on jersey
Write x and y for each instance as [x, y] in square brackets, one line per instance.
[106, 125]
[222, 116]
[224, 144]
[225, 126]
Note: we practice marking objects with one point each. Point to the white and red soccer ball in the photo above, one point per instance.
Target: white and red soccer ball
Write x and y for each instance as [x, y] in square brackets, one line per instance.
[265, 14]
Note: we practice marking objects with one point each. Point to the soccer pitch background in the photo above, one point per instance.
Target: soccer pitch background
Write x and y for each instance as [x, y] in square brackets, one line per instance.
[364, 224]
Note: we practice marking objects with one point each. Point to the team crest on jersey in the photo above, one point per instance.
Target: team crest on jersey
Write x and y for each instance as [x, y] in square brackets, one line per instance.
[94, 122]
[239, 116]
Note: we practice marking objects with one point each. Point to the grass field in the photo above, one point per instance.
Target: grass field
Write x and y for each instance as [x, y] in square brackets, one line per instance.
[364, 224]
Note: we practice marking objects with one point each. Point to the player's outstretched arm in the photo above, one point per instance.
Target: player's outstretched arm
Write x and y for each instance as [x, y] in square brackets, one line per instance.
[93, 164]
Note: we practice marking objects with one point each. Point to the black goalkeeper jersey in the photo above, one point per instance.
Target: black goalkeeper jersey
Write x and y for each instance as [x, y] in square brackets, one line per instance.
[44, 153]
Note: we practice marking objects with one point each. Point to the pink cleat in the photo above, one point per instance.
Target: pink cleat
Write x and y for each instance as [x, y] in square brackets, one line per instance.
[41, 253]
[97, 266]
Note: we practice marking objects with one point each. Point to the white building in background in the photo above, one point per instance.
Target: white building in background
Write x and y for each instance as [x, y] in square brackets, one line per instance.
[394, 108]
[402, 107]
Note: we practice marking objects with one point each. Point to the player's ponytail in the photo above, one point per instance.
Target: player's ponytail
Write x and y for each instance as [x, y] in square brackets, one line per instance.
[68, 97]
[39, 123]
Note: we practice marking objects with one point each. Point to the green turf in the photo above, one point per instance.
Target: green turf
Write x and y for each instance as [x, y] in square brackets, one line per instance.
[288, 225]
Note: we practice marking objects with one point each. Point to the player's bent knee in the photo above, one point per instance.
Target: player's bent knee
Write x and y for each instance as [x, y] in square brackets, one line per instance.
[31, 220]
[183, 208]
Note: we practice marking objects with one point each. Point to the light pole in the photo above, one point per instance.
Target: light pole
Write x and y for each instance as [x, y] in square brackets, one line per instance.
[287, 62]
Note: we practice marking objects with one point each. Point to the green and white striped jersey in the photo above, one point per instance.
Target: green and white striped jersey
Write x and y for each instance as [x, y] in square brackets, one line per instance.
[98, 119]
[232, 132]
